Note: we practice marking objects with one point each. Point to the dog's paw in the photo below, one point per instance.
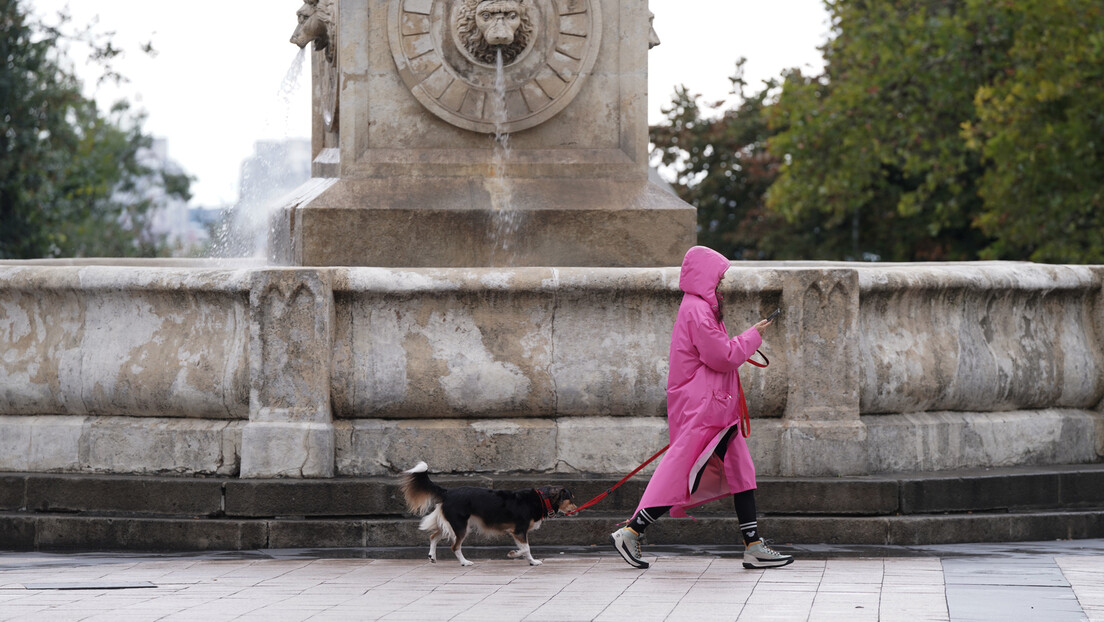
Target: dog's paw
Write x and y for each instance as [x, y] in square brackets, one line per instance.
[432, 559]
[514, 554]
[466, 563]
[535, 562]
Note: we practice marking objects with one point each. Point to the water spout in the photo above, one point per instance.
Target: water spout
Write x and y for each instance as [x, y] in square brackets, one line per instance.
[504, 218]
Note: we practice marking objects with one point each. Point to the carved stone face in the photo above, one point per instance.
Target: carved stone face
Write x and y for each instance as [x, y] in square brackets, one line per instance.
[498, 20]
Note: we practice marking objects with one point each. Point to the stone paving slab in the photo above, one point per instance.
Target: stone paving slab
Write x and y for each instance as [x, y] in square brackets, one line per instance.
[1053, 581]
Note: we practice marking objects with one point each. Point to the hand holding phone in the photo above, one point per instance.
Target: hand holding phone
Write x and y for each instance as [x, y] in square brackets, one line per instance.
[770, 318]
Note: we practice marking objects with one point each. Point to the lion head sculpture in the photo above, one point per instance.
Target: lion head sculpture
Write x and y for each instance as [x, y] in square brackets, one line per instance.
[486, 26]
[316, 24]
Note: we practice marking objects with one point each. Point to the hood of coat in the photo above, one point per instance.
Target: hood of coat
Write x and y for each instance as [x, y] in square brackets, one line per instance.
[702, 270]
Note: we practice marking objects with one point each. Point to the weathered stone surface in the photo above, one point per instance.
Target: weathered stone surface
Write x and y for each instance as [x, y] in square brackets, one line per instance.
[12, 489]
[573, 360]
[290, 430]
[337, 497]
[107, 340]
[977, 337]
[411, 158]
[924, 495]
[149, 534]
[563, 222]
[943, 441]
[378, 447]
[609, 444]
[130, 495]
[119, 445]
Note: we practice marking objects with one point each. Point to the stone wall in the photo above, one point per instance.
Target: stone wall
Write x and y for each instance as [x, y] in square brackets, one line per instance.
[259, 371]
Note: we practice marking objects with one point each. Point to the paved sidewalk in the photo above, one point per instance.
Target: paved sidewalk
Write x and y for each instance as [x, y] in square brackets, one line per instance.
[1051, 582]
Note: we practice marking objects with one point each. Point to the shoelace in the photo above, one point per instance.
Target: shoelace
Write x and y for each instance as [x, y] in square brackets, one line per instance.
[769, 550]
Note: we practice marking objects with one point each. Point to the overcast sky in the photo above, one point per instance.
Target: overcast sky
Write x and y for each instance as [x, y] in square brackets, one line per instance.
[214, 86]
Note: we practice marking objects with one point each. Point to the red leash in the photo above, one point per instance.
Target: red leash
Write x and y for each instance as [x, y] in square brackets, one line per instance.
[745, 422]
[618, 484]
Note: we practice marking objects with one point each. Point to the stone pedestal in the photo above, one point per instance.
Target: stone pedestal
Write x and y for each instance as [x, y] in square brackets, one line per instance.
[427, 164]
[290, 431]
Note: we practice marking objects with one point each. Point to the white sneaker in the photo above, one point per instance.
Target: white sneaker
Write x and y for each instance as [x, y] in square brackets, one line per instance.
[759, 555]
[627, 543]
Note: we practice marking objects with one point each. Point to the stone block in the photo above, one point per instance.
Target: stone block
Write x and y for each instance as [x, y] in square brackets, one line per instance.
[126, 495]
[153, 446]
[287, 449]
[333, 497]
[609, 444]
[951, 337]
[12, 492]
[383, 447]
[1082, 488]
[291, 320]
[48, 443]
[945, 440]
[426, 344]
[404, 532]
[309, 534]
[817, 449]
[820, 309]
[565, 222]
[826, 530]
[979, 492]
[151, 534]
[827, 496]
[17, 532]
[946, 529]
[180, 352]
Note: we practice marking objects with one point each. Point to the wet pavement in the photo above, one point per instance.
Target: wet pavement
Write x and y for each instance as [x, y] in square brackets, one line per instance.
[1039, 582]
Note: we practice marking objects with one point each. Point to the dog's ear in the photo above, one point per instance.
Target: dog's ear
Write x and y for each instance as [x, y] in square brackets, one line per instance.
[563, 499]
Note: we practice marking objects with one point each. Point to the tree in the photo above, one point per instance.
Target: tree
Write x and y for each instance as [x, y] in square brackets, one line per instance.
[722, 167]
[1040, 130]
[69, 174]
[949, 129]
[875, 142]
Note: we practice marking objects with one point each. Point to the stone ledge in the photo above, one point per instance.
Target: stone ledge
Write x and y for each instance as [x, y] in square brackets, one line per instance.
[62, 532]
[977, 490]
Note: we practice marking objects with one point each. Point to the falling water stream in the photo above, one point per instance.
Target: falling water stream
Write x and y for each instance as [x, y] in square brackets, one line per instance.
[244, 232]
[504, 218]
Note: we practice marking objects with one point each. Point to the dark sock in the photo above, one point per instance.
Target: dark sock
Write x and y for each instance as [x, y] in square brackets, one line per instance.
[744, 503]
[647, 516]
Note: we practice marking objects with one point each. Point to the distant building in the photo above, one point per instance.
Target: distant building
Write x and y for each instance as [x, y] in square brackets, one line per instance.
[171, 218]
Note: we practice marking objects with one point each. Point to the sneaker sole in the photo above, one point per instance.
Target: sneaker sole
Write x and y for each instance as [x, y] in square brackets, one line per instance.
[625, 555]
[762, 564]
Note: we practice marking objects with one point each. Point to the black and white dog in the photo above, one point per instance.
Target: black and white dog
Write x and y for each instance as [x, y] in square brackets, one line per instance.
[450, 514]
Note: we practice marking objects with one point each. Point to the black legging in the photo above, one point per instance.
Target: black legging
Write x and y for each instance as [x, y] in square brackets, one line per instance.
[742, 502]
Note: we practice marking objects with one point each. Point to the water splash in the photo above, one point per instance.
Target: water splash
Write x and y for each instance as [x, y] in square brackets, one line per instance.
[278, 166]
[504, 218]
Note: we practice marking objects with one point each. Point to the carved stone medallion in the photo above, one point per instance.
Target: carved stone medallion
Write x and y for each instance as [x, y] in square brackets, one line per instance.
[447, 52]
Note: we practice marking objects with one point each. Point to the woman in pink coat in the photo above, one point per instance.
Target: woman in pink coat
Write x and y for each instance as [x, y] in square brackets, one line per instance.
[708, 458]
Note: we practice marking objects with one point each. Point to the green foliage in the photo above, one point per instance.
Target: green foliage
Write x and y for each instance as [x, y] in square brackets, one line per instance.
[1040, 127]
[723, 168]
[875, 142]
[939, 130]
[72, 179]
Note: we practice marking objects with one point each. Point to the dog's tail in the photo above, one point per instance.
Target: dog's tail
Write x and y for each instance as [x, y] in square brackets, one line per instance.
[420, 493]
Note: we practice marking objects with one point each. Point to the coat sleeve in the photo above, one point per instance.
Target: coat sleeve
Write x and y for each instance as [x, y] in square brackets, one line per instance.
[717, 350]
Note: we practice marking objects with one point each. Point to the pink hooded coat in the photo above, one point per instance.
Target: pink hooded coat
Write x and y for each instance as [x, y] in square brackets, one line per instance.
[703, 395]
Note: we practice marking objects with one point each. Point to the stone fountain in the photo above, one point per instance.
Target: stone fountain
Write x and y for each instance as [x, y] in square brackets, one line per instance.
[406, 110]
[408, 323]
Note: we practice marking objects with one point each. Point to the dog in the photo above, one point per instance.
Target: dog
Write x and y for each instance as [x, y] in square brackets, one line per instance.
[450, 514]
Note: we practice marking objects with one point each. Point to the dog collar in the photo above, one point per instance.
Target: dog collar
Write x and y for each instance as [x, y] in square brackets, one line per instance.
[547, 503]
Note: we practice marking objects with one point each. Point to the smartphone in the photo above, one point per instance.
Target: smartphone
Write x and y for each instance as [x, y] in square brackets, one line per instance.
[774, 315]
